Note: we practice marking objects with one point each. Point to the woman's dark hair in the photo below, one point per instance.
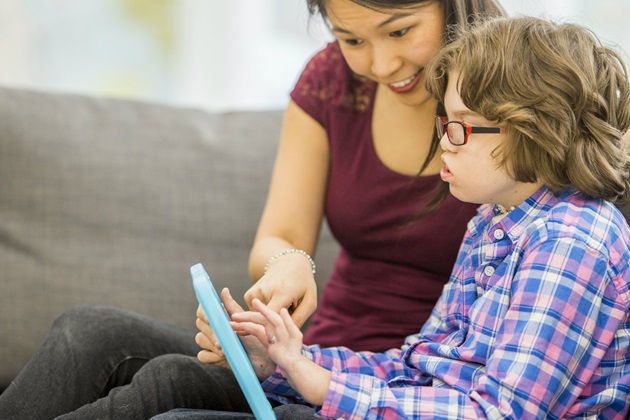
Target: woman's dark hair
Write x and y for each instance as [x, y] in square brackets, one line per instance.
[457, 12]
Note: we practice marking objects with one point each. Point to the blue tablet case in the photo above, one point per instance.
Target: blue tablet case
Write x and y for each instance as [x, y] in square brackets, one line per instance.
[232, 347]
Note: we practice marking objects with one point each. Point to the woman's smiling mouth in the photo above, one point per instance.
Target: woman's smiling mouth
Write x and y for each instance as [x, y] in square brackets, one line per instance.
[406, 85]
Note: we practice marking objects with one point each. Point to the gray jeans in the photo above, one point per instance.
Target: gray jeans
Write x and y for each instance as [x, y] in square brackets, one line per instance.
[108, 363]
[283, 412]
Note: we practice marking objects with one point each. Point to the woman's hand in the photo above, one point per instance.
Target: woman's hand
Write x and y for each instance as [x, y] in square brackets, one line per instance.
[283, 341]
[289, 283]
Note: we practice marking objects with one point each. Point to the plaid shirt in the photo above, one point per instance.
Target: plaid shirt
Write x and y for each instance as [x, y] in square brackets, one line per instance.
[534, 323]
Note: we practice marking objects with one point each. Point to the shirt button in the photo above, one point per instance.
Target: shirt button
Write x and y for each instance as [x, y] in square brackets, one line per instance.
[489, 270]
[498, 234]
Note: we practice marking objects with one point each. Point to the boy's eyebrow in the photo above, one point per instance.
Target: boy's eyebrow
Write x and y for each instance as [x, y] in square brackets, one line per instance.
[392, 18]
[463, 113]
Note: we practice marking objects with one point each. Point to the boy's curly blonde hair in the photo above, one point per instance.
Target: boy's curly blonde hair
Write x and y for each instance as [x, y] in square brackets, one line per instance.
[562, 95]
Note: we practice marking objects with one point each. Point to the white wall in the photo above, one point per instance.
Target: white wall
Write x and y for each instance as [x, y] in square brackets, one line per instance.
[214, 54]
[607, 18]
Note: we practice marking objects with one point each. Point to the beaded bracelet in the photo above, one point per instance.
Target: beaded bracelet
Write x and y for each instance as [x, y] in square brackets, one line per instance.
[290, 251]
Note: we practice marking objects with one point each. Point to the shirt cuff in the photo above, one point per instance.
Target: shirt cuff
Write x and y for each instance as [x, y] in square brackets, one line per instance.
[343, 400]
[277, 388]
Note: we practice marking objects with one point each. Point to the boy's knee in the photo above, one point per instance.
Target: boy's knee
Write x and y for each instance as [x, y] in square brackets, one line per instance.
[294, 412]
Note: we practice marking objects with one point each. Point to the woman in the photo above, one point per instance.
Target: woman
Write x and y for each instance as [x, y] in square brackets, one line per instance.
[357, 133]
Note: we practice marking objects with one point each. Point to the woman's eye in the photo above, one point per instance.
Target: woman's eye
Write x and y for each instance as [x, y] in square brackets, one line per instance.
[353, 42]
[399, 34]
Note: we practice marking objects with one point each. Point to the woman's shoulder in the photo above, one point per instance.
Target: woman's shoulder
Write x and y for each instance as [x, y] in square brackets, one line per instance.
[327, 78]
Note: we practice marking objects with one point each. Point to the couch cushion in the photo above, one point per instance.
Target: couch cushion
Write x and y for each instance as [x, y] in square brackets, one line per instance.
[110, 201]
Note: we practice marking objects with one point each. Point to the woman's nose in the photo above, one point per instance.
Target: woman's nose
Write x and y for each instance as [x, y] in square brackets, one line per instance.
[385, 62]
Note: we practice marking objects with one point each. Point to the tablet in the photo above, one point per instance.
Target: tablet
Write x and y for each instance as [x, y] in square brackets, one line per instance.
[232, 347]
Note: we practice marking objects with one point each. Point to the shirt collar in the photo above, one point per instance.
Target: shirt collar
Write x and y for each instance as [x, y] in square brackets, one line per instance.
[516, 221]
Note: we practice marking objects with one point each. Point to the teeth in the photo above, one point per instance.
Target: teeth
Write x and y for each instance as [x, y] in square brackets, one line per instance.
[403, 83]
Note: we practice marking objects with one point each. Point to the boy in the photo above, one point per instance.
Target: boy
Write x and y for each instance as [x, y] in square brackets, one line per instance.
[534, 322]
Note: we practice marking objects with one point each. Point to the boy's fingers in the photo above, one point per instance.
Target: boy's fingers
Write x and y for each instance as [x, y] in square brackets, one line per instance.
[274, 326]
[249, 316]
[289, 323]
[249, 328]
[272, 317]
[262, 308]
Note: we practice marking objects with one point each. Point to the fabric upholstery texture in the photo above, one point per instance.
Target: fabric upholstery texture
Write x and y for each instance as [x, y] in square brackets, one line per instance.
[106, 201]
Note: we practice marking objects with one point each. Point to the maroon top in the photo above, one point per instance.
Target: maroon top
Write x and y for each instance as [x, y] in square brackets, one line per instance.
[389, 273]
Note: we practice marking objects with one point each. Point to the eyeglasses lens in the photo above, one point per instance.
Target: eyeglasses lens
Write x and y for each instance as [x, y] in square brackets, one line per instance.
[455, 130]
[456, 133]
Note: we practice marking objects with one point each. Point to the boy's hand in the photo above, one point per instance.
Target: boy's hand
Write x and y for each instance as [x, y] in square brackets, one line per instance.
[283, 340]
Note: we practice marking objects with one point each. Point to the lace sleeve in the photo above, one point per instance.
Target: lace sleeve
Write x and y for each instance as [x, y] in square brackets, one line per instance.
[328, 83]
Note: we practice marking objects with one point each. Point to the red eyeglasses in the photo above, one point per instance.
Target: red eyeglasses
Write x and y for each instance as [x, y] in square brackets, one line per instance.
[458, 131]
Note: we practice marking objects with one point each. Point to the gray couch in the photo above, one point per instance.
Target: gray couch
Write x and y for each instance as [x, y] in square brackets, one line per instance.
[110, 202]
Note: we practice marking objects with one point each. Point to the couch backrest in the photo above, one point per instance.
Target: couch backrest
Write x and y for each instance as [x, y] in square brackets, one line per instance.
[107, 201]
